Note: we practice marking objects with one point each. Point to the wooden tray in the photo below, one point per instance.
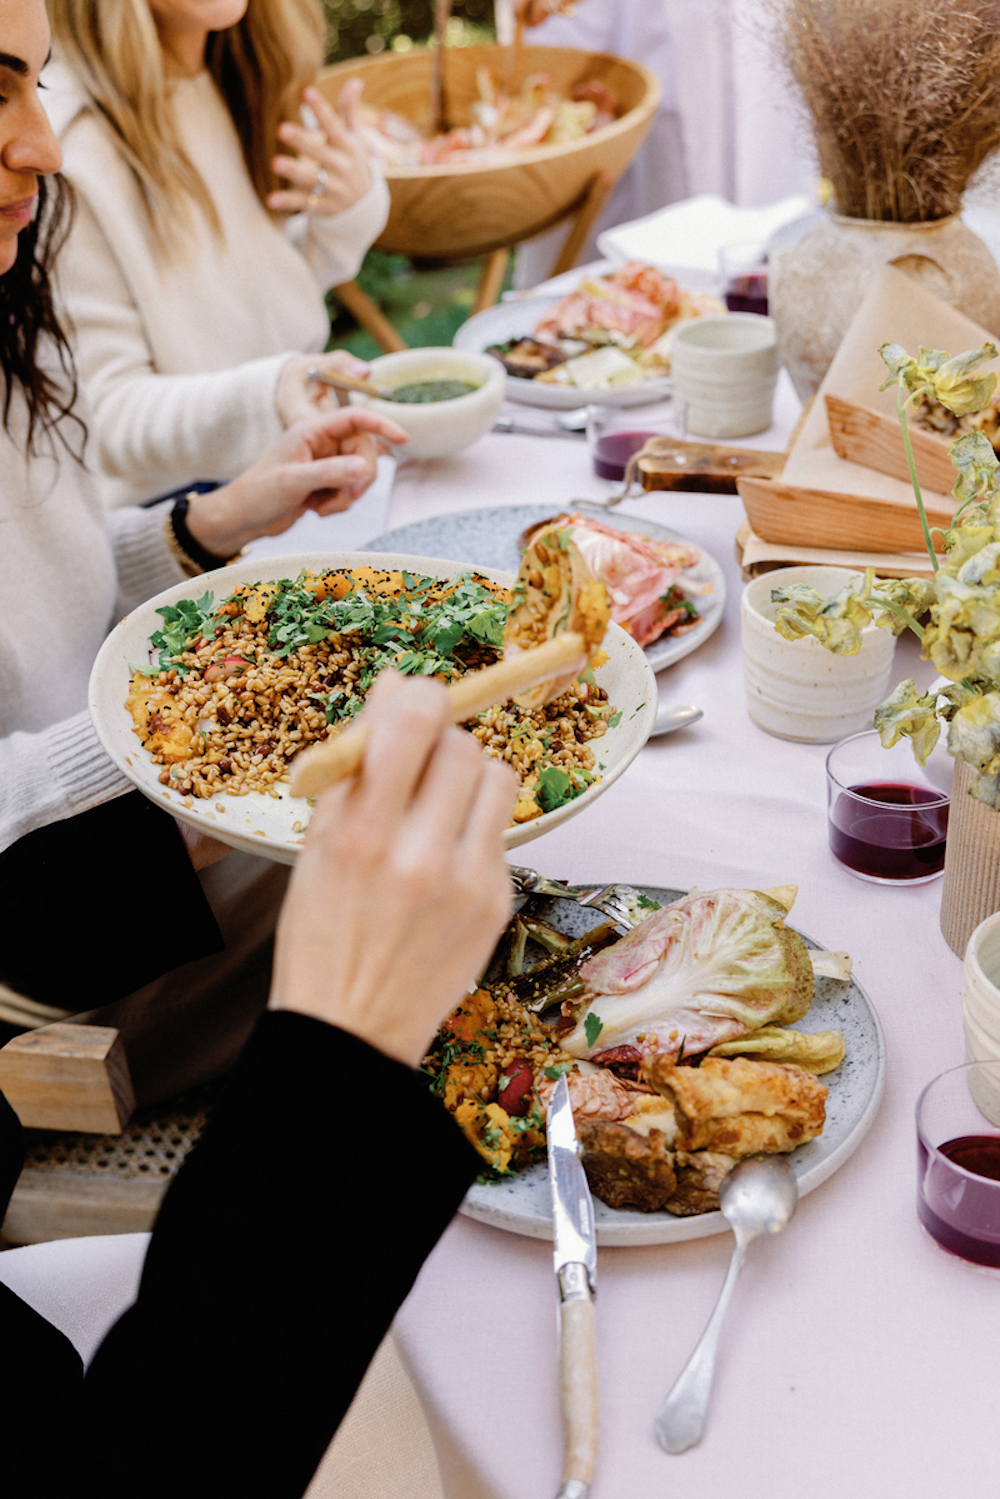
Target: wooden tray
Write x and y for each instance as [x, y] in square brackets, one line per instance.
[789, 516]
[710, 468]
[468, 209]
[873, 439]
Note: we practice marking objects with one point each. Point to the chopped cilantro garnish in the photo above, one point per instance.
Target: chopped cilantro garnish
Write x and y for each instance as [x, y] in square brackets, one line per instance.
[557, 1069]
[182, 623]
[647, 904]
[615, 719]
[556, 787]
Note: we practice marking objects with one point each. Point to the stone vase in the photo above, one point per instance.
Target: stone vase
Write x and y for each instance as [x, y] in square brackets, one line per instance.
[971, 889]
[816, 285]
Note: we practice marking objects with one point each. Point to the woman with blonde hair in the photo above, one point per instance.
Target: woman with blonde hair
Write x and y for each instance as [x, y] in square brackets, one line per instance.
[195, 273]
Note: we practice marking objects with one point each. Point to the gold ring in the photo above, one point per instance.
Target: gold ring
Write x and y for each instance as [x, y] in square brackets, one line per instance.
[318, 189]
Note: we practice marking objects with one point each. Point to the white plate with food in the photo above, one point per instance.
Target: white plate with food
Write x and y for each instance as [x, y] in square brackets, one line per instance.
[247, 706]
[516, 321]
[522, 1203]
[489, 538]
[607, 341]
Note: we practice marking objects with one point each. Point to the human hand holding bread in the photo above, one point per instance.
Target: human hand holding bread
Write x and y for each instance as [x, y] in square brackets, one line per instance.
[401, 889]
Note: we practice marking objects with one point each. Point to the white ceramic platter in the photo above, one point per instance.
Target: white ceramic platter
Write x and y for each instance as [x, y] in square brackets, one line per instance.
[488, 538]
[523, 1204]
[519, 319]
[266, 825]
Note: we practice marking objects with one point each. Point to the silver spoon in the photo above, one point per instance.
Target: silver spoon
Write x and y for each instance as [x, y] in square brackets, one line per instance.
[567, 423]
[669, 719]
[758, 1197]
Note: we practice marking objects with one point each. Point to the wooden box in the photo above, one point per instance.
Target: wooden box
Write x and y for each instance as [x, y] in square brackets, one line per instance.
[873, 439]
[788, 515]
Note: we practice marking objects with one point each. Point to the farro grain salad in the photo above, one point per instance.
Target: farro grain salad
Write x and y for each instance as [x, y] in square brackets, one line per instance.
[235, 689]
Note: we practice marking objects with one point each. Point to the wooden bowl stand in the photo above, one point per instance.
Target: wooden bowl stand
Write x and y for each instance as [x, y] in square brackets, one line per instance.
[468, 211]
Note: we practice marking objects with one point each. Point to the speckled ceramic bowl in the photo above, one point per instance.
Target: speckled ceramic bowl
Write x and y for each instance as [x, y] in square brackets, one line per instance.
[523, 1204]
[273, 827]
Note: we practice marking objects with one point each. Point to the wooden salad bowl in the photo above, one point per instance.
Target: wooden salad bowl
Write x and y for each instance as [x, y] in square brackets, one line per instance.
[467, 209]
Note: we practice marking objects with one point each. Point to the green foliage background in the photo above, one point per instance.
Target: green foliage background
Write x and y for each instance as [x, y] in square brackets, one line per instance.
[356, 27]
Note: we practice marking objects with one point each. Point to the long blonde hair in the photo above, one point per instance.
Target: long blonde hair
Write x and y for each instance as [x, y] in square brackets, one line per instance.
[260, 66]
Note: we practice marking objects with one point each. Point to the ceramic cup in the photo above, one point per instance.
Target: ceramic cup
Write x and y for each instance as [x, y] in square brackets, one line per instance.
[798, 689]
[724, 371]
[981, 997]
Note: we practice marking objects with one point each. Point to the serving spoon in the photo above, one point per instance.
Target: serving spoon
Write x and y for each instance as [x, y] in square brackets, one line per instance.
[668, 720]
[348, 382]
[759, 1196]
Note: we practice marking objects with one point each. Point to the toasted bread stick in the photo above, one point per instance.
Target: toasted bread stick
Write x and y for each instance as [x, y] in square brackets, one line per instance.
[330, 761]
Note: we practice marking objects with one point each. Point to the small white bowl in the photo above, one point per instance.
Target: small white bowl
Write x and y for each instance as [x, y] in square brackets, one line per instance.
[437, 429]
[798, 689]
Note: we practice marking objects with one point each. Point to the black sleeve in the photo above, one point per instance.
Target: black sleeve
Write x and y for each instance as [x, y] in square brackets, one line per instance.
[11, 1153]
[40, 1370]
[101, 902]
[282, 1251]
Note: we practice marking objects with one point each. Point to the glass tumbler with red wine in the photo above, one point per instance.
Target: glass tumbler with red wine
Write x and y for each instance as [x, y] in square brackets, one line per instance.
[616, 433]
[743, 277]
[958, 1161]
[887, 820]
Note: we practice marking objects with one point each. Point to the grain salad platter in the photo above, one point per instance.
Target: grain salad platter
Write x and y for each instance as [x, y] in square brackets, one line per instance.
[204, 694]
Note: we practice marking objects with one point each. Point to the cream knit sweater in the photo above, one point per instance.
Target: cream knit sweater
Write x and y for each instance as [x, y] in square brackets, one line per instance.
[179, 354]
[68, 571]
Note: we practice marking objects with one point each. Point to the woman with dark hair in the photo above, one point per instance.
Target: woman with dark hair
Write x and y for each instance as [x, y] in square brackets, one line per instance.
[259, 1306]
[67, 572]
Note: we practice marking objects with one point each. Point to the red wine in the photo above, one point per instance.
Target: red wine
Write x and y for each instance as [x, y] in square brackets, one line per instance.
[613, 451]
[892, 834]
[747, 293]
[962, 1214]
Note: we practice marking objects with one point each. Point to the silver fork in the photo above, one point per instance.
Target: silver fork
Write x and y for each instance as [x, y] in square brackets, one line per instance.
[623, 903]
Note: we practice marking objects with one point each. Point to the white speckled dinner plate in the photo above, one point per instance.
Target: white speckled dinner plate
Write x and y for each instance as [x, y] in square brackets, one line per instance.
[519, 319]
[488, 538]
[273, 826]
[523, 1204]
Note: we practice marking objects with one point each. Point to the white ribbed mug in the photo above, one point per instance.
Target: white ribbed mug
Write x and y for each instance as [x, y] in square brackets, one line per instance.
[798, 689]
[981, 1003]
[724, 372]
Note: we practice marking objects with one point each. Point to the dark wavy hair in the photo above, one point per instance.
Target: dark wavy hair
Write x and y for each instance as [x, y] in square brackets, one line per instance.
[28, 324]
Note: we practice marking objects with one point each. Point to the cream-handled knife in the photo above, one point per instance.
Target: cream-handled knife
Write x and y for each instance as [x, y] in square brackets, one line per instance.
[575, 1259]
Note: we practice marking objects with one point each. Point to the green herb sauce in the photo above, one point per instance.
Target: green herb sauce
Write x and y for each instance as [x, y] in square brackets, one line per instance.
[421, 392]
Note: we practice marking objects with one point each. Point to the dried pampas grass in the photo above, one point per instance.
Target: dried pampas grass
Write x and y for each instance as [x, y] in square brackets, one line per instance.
[904, 97]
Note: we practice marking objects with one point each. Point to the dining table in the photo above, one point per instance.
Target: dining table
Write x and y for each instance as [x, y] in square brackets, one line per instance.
[858, 1357]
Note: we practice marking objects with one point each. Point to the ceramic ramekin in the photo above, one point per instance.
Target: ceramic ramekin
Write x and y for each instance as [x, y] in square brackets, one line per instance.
[724, 370]
[439, 428]
[798, 689]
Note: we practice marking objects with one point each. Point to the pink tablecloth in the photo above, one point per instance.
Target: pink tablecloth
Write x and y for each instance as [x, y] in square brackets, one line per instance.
[858, 1357]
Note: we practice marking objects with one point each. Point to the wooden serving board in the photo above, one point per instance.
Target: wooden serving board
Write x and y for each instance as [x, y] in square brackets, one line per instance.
[711, 468]
[873, 438]
[790, 516]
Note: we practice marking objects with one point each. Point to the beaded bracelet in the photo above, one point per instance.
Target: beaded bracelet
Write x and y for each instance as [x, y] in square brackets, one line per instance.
[193, 557]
